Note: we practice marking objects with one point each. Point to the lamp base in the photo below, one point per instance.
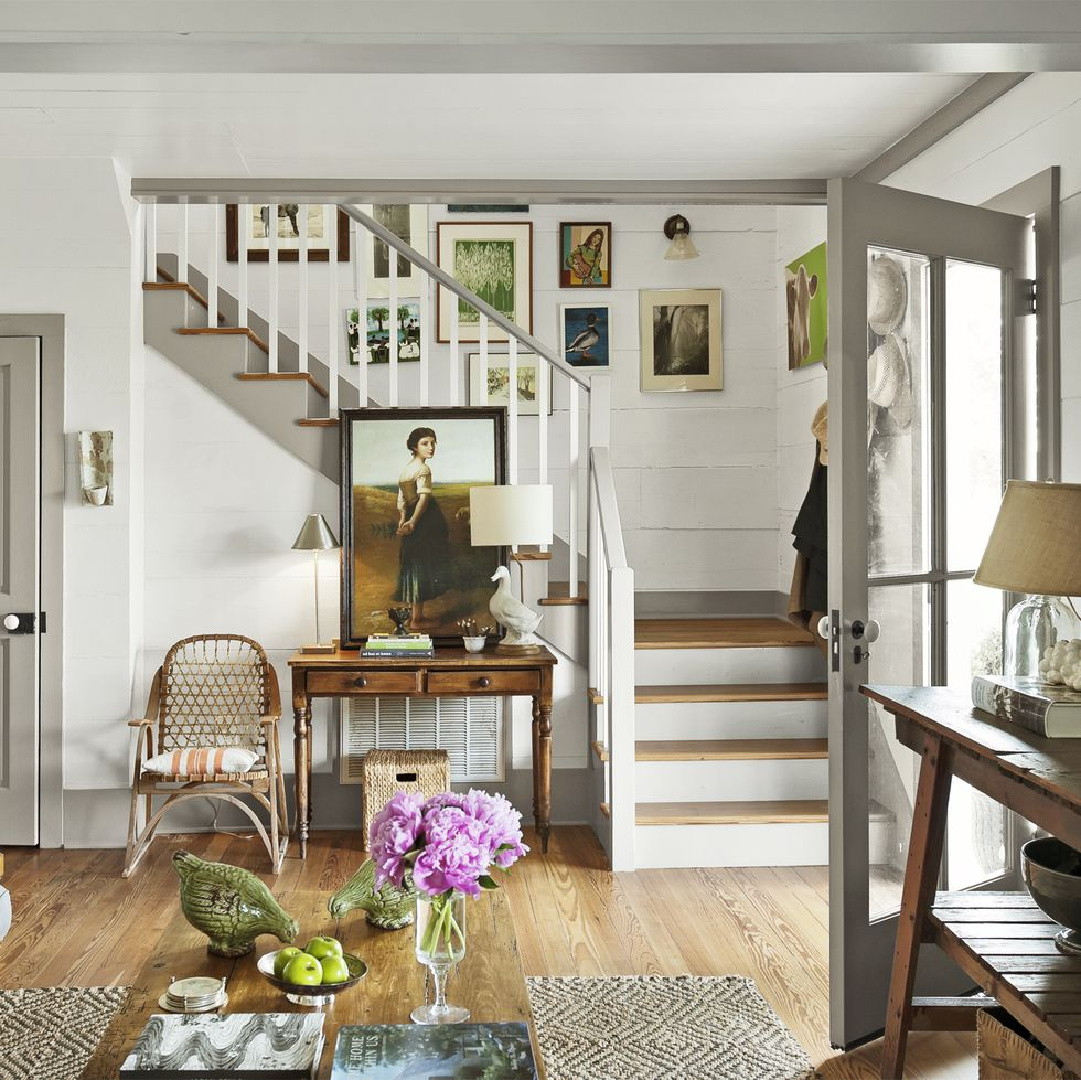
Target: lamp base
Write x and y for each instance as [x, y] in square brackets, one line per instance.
[517, 650]
[324, 649]
[1032, 626]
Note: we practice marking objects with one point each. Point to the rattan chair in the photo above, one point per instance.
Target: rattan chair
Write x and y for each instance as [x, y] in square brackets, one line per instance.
[211, 690]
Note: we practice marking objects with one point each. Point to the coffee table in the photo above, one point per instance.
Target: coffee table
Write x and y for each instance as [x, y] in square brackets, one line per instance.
[489, 981]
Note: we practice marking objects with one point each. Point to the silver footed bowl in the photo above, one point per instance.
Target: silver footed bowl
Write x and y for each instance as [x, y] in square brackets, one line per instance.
[324, 993]
[1052, 873]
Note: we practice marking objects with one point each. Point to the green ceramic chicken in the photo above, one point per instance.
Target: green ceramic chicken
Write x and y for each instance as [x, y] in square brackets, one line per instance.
[230, 905]
[390, 908]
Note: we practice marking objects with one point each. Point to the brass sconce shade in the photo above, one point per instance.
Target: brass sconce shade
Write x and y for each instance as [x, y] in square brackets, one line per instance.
[678, 229]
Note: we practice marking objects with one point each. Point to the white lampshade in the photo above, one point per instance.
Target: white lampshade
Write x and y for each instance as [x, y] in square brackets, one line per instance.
[507, 514]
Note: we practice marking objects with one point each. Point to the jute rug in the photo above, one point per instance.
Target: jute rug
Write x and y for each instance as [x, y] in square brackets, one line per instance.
[653, 1027]
[52, 1033]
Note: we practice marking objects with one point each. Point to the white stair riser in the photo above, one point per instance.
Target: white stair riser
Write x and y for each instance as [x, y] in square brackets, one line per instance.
[730, 781]
[658, 667]
[671, 846]
[731, 720]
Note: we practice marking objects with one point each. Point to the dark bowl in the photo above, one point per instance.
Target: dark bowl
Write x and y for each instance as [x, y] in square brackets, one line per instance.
[1052, 872]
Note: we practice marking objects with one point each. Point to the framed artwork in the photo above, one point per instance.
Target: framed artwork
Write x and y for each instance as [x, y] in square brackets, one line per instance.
[805, 296]
[406, 475]
[410, 223]
[681, 340]
[327, 226]
[379, 326]
[495, 260]
[585, 255]
[492, 387]
[583, 330]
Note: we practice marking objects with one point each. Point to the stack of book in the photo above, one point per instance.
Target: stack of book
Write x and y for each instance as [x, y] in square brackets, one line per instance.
[1047, 709]
[413, 645]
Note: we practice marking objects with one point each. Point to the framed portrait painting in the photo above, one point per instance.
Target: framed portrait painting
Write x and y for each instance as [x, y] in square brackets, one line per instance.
[406, 475]
[490, 384]
[495, 260]
[681, 341]
[409, 223]
[379, 325]
[585, 255]
[328, 229]
[583, 330]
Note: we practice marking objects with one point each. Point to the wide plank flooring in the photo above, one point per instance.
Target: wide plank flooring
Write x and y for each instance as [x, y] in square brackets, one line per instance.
[78, 923]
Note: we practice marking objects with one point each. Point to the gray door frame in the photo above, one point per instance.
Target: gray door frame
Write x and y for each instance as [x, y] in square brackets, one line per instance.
[50, 329]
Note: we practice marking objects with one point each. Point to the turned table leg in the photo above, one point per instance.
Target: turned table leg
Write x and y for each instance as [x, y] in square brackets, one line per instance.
[542, 766]
[302, 720]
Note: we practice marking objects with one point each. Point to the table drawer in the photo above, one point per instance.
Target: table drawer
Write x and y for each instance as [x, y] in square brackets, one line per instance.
[483, 682]
[364, 682]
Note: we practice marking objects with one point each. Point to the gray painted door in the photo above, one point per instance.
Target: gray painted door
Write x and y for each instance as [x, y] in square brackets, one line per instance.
[923, 333]
[20, 589]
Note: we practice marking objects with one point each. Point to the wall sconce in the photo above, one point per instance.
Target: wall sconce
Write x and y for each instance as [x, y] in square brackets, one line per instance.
[96, 467]
[678, 229]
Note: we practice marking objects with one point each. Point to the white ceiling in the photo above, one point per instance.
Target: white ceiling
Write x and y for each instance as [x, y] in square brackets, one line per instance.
[575, 126]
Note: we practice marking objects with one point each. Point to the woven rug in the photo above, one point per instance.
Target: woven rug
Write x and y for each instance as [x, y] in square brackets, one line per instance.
[52, 1033]
[651, 1027]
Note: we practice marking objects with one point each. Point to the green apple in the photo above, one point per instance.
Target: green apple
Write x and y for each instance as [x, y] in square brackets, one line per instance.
[335, 969]
[283, 958]
[303, 970]
[322, 947]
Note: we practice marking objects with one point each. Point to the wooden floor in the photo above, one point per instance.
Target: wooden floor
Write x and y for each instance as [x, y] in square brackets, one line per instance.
[77, 922]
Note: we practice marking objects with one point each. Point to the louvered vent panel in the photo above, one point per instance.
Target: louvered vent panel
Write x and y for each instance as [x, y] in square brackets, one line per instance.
[469, 729]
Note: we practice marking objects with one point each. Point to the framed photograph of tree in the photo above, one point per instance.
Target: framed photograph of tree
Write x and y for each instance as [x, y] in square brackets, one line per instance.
[410, 223]
[495, 260]
[406, 475]
[682, 342]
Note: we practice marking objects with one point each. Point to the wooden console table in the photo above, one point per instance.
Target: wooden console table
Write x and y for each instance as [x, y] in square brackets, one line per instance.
[1002, 941]
[450, 673]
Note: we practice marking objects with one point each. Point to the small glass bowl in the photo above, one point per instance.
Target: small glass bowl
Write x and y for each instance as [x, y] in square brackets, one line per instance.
[474, 644]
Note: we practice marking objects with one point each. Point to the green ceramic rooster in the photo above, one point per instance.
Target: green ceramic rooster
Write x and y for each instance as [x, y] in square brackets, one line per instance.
[230, 905]
[389, 908]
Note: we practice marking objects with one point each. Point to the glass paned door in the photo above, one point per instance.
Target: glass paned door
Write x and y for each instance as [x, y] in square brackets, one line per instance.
[921, 329]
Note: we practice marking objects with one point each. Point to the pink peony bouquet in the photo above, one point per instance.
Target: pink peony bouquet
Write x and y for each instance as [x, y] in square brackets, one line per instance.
[450, 841]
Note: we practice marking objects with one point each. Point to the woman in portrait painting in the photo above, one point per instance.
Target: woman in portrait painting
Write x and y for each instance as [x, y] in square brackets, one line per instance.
[585, 259]
[422, 561]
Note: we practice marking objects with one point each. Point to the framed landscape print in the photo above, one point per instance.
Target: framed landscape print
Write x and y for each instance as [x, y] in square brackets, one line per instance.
[410, 223]
[495, 260]
[406, 475]
[379, 326]
[681, 340]
[327, 227]
[805, 298]
[585, 255]
[583, 331]
[492, 387]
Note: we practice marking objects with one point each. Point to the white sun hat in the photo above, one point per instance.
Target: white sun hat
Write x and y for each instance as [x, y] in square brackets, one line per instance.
[887, 294]
[889, 383]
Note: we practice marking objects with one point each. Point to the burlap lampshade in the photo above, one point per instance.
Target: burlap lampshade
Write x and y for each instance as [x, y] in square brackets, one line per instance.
[1035, 545]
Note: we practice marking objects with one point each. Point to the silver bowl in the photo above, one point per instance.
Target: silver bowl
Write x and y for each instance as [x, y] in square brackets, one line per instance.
[312, 995]
[1052, 873]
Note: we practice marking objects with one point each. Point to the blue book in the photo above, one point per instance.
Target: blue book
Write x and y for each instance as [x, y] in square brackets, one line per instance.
[435, 1052]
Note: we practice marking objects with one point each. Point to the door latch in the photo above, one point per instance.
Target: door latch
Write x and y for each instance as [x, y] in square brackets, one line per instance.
[19, 622]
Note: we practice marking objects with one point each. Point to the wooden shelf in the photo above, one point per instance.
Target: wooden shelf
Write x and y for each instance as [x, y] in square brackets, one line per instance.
[670, 695]
[272, 376]
[805, 811]
[751, 632]
[730, 750]
[558, 594]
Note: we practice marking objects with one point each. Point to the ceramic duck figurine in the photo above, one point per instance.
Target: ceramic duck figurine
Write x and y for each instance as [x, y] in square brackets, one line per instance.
[389, 908]
[518, 620]
[230, 905]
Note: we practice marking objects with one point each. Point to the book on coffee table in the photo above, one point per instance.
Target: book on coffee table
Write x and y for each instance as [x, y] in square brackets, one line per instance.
[240, 1046]
[1047, 709]
[436, 1052]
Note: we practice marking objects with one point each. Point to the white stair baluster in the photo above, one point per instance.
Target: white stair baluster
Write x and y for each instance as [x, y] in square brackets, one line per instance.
[425, 306]
[243, 224]
[151, 225]
[212, 265]
[572, 487]
[512, 411]
[542, 423]
[334, 337]
[392, 327]
[182, 242]
[452, 367]
[483, 359]
[360, 287]
[302, 290]
[272, 285]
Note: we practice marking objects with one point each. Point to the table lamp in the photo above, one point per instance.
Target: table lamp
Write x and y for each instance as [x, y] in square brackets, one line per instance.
[1034, 548]
[315, 536]
[502, 515]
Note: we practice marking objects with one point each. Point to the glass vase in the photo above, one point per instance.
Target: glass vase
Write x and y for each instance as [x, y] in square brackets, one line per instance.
[440, 926]
[1033, 626]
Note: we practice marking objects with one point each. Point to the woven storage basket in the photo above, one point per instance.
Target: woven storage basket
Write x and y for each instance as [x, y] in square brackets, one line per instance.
[386, 772]
[1004, 1051]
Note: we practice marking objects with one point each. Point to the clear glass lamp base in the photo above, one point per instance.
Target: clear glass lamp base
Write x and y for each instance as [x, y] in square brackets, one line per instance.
[1034, 625]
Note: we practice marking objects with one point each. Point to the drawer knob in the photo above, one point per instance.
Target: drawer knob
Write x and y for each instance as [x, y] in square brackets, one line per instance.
[485, 681]
[360, 681]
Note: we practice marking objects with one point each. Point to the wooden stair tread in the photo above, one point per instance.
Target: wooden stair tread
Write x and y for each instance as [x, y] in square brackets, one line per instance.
[673, 693]
[599, 750]
[251, 335]
[746, 632]
[317, 421]
[729, 749]
[559, 594]
[595, 696]
[276, 376]
[794, 811]
[528, 553]
[606, 810]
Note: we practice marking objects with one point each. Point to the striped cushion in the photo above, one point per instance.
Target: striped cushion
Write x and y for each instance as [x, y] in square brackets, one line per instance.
[202, 761]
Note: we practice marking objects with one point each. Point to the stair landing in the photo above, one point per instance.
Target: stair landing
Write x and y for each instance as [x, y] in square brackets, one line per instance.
[736, 632]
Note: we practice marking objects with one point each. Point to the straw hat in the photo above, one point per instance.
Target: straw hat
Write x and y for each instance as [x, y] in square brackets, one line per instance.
[887, 294]
[820, 430]
[889, 384]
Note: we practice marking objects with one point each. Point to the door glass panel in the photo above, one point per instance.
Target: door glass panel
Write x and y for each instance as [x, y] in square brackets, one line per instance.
[901, 657]
[898, 419]
[974, 436]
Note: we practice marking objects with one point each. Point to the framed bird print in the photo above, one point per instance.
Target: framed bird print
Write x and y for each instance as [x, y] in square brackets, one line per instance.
[406, 475]
[583, 330]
